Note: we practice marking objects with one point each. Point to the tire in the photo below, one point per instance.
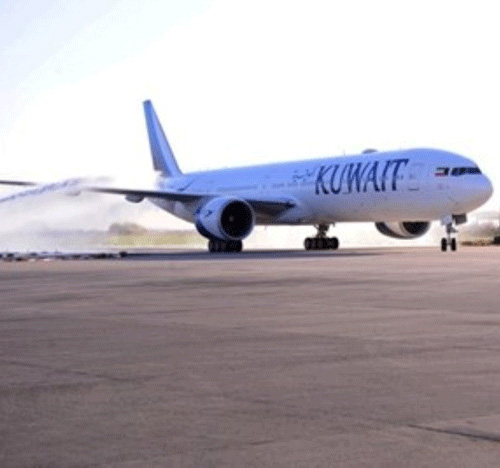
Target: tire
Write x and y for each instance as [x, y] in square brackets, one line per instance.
[453, 245]
[211, 245]
[334, 243]
[444, 244]
[307, 243]
[234, 246]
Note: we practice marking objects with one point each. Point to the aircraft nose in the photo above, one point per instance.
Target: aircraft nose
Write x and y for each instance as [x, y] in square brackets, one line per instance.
[486, 188]
[473, 191]
[483, 189]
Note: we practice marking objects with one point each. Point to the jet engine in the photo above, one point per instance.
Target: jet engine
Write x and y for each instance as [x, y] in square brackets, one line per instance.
[404, 230]
[226, 219]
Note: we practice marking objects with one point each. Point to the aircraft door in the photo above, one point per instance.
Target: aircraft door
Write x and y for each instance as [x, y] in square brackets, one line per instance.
[415, 176]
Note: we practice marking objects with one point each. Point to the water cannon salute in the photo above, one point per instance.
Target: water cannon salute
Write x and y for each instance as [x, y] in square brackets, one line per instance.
[402, 192]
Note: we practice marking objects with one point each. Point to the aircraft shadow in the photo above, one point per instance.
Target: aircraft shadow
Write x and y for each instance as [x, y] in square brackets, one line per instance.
[247, 255]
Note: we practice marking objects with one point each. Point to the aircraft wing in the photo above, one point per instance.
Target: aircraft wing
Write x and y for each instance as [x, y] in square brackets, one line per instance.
[265, 206]
[16, 182]
[172, 195]
[271, 207]
[262, 206]
[68, 186]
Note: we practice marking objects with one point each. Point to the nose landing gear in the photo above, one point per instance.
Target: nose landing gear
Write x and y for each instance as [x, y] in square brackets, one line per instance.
[450, 240]
[321, 241]
[447, 241]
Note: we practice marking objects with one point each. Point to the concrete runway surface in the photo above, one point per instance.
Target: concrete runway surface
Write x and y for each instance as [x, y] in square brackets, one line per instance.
[358, 358]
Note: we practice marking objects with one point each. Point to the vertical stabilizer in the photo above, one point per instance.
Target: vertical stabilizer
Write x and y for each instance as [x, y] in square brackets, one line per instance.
[163, 158]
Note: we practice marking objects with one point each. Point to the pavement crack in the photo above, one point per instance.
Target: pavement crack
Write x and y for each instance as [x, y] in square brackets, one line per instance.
[64, 371]
[460, 431]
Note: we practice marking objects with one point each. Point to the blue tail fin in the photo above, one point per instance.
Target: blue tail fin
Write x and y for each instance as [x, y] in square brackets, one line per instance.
[163, 158]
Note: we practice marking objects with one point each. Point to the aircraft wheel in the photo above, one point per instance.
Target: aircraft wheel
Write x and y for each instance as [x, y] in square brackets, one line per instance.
[215, 245]
[334, 243]
[234, 246]
[453, 245]
[444, 244]
[321, 243]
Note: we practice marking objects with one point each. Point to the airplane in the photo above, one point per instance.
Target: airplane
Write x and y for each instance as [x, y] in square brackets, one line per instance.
[401, 191]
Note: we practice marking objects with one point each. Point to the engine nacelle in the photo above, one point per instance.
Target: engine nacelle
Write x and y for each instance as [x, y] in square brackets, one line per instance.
[404, 230]
[224, 218]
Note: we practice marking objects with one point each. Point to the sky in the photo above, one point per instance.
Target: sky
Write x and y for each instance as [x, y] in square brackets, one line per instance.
[237, 83]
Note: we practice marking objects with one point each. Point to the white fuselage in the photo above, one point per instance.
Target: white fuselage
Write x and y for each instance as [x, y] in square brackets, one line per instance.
[407, 185]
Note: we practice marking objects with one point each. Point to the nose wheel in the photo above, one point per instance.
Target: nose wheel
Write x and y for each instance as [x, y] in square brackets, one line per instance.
[445, 243]
[321, 241]
[449, 241]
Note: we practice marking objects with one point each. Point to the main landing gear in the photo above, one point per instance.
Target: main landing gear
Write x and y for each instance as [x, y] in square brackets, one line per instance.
[216, 245]
[320, 241]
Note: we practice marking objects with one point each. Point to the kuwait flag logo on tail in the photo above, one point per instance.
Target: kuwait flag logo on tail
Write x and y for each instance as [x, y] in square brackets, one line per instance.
[442, 171]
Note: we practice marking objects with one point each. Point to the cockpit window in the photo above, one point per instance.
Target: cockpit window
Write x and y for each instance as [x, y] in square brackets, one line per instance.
[458, 171]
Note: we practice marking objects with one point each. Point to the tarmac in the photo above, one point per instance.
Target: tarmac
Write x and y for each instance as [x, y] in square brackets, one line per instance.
[349, 358]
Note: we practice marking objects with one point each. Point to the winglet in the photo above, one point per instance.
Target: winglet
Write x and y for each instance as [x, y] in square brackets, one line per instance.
[163, 158]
